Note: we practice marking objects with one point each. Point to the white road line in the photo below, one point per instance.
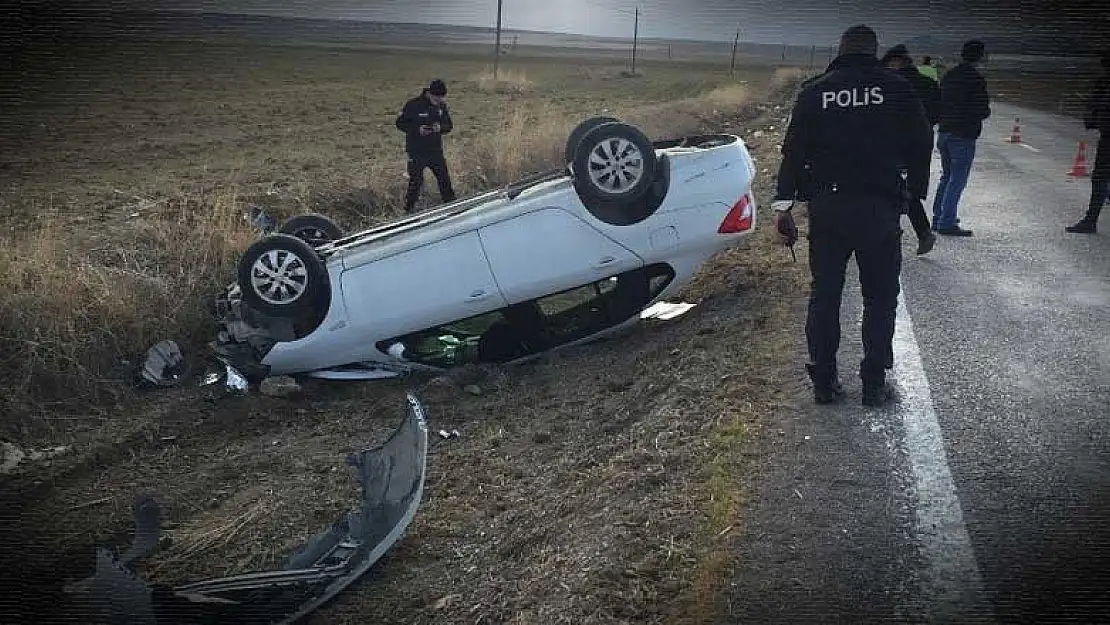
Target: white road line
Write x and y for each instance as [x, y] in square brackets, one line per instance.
[1022, 144]
[951, 582]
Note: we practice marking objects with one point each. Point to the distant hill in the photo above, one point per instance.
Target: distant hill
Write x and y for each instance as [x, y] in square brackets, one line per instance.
[92, 27]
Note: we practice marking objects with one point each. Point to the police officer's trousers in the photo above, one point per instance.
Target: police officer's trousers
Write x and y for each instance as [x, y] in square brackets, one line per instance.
[1100, 180]
[416, 166]
[839, 228]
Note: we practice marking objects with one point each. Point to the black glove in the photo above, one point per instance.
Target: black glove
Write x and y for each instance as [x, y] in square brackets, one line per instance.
[788, 229]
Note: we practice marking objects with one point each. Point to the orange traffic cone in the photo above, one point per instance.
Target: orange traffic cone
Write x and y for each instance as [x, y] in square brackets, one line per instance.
[1079, 169]
[1015, 134]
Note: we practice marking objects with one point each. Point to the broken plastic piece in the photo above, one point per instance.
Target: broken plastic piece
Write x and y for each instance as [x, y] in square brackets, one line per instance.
[665, 311]
[233, 381]
[236, 381]
[391, 477]
[164, 364]
[258, 218]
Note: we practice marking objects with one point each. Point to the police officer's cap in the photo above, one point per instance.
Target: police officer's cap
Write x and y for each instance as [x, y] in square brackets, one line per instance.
[437, 88]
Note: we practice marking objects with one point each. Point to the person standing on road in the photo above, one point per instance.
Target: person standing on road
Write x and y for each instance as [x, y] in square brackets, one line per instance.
[424, 120]
[898, 59]
[965, 103]
[852, 134]
[1097, 117]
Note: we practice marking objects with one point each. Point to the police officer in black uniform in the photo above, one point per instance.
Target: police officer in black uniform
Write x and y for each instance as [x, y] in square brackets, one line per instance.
[424, 120]
[1097, 118]
[857, 137]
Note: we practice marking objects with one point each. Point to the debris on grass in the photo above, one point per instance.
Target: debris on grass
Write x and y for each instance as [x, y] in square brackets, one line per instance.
[164, 364]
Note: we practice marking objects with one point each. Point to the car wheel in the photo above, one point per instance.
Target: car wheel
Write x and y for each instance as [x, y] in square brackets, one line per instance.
[313, 229]
[580, 131]
[614, 162]
[631, 213]
[282, 276]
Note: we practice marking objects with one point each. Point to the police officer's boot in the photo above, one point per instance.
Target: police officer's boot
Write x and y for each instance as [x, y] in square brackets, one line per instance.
[1083, 226]
[826, 386]
[875, 395]
[876, 389]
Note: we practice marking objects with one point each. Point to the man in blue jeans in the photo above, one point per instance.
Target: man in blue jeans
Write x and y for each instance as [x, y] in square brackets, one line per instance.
[964, 105]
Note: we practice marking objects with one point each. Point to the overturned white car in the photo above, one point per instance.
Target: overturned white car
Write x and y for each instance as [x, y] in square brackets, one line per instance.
[560, 258]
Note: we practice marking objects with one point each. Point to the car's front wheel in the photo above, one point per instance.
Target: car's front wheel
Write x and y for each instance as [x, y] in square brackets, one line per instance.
[282, 276]
[614, 162]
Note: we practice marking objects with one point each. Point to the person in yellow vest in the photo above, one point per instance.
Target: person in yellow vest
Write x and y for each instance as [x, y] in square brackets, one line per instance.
[928, 68]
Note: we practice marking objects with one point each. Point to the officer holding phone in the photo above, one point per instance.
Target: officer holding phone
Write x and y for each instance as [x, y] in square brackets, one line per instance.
[424, 120]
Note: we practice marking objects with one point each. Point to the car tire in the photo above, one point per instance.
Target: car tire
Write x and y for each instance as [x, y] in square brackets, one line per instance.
[631, 213]
[580, 131]
[306, 290]
[312, 228]
[613, 152]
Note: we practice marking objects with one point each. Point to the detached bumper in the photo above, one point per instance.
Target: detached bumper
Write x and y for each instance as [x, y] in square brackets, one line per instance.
[391, 478]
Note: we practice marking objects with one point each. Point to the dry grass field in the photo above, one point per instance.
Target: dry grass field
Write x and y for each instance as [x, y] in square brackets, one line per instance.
[162, 149]
[603, 484]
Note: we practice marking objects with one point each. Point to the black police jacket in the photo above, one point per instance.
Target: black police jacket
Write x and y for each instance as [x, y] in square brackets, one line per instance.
[856, 130]
[420, 112]
[965, 102]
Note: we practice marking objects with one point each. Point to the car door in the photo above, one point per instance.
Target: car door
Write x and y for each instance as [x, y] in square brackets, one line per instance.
[420, 288]
[550, 250]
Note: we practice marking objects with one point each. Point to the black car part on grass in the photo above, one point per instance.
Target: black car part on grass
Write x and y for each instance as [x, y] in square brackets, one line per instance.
[391, 478]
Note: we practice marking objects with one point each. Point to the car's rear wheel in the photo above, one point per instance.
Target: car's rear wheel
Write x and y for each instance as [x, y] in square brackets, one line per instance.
[282, 276]
[312, 228]
[633, 212]
[580, 131]
[614, 162]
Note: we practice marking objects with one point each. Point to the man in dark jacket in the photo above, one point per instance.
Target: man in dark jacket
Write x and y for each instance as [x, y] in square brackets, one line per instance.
[898, 59]
[424, 120]
[857, 138]
[964, 105]
[1097, 118]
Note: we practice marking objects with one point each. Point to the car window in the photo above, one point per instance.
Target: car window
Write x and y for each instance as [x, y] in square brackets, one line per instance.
[561, 302]
[451, 344]
[534, 326]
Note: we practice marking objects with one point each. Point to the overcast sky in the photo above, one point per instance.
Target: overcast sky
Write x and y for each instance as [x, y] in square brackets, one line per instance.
[796, 21]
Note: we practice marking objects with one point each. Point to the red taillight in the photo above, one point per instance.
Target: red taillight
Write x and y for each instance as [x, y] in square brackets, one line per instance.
[739, 218]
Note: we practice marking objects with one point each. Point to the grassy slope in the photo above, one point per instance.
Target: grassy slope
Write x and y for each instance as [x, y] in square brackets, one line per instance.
[599, 485]
[132, 173]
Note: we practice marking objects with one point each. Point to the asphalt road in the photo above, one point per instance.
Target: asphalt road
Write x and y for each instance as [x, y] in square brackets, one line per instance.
[983, 494]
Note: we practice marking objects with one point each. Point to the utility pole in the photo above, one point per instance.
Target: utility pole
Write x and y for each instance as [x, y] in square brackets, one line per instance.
[732, 63]
[497, 46]
[812, 52]
[635, 39]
